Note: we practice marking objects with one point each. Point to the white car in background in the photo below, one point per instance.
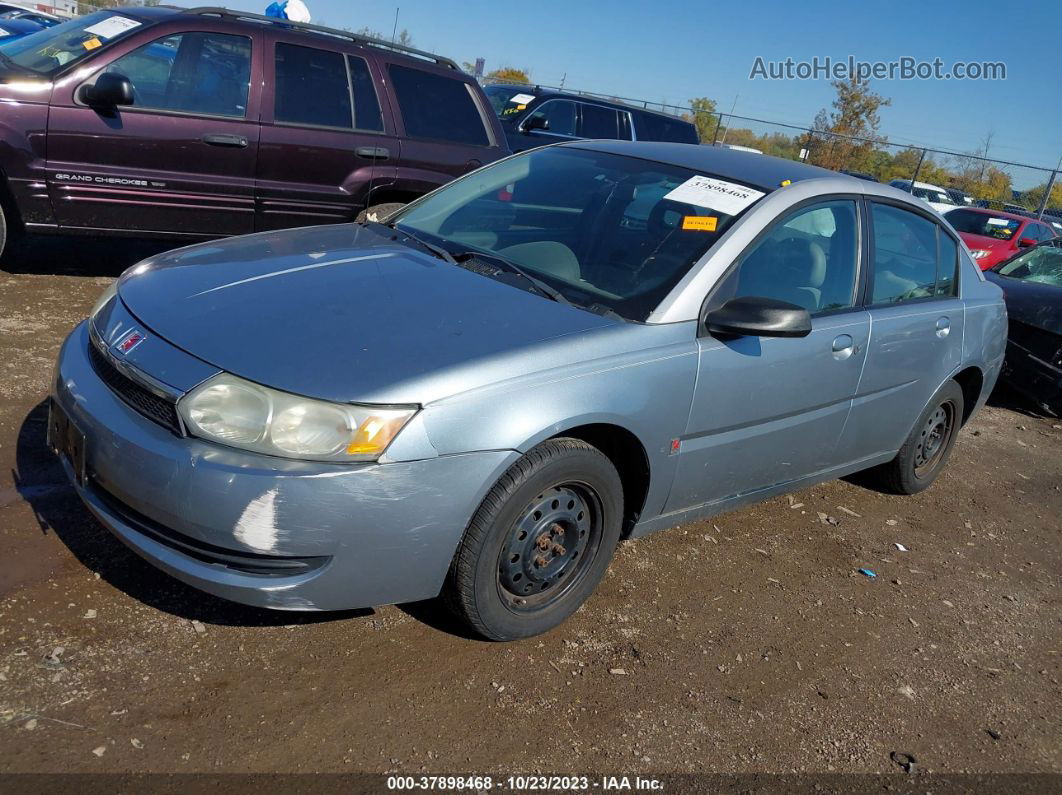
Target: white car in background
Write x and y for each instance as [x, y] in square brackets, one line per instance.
[934, 196]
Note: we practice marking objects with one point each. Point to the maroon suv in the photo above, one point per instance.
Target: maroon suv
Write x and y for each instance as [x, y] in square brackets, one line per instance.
[202, 123]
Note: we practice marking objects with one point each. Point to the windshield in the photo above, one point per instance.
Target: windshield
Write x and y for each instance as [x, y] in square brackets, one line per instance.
[604, 230]
[932, 195]
[1042, 264]
[508, 101]
[975, 223]
[49, 50]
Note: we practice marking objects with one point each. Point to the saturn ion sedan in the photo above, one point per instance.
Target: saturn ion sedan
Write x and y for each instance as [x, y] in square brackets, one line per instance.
[479, 396]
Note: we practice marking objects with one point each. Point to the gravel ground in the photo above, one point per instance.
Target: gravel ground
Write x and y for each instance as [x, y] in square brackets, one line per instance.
[746, 643]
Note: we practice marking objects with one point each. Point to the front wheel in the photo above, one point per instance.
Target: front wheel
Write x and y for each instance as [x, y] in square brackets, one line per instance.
[3, 232]
[926, 451]
[539, 543]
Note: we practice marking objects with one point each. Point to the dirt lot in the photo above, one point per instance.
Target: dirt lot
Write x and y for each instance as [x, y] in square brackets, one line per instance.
[745, 643]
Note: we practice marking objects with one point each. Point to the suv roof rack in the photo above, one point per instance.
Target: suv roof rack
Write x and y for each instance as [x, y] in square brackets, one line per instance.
[368, 41]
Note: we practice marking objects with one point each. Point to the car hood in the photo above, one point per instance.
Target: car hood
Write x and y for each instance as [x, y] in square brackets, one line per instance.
[1038, 305]
[341, 313]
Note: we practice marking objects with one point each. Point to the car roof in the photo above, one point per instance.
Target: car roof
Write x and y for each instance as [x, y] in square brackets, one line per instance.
[759, 170]
[997, 213]
[541, 92]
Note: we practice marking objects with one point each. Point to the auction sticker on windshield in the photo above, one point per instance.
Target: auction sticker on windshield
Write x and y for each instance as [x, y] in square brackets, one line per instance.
[715, 194]
[521, 99]
[112, 26]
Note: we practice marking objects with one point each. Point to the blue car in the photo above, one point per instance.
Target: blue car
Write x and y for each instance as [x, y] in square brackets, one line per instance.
[481, 395]
[14, 29]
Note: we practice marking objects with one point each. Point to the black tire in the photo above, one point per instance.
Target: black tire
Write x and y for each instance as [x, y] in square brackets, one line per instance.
[379, 212]
[927, 449]
[518, 570]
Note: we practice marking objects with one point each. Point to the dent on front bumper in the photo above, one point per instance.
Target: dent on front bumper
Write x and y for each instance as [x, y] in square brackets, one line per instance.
[263, 531]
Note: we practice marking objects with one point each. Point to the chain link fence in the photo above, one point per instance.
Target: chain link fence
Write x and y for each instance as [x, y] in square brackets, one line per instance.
[968, 178]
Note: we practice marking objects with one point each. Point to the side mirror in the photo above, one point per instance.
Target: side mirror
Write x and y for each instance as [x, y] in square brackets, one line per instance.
[110, 91]
[758, 317]
[536, 123]
[1026, 242]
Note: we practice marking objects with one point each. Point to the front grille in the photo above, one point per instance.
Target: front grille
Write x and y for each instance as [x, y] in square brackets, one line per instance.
[243, 562]
[146, 402]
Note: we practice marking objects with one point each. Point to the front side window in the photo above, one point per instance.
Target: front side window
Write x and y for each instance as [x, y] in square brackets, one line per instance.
[913, 258]
[598, 122]
[202, 73]
[558, 115]
[312, 87]
[809, 259]
[437, 107]
[1042, 265]
[605, 230]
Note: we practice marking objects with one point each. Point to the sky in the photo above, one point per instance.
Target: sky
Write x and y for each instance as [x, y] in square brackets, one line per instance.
[672, 50]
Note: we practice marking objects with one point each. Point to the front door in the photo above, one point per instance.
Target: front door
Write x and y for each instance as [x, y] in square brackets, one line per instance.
[180, 159]
[768, 411]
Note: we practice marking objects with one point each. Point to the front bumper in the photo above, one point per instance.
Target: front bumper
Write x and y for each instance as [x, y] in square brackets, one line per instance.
[265, 531]
[1031, 375]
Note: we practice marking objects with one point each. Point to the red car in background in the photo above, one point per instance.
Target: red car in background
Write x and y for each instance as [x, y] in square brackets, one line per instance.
[993, 235]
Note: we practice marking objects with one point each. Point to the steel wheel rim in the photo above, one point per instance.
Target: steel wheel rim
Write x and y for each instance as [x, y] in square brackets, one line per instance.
[549, 547]
[933, 438]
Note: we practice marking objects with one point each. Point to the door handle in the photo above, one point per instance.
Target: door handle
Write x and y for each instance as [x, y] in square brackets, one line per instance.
[225, 139]
[843, 346]
[373, 152]
[943, 327]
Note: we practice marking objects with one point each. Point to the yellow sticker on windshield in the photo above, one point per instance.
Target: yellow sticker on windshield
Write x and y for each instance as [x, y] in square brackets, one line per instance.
[92, 44]
[700, 223]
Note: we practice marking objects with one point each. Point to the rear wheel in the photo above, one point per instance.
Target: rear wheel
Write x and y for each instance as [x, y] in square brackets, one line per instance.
[379, 212]
[926, 451]
[540, 542]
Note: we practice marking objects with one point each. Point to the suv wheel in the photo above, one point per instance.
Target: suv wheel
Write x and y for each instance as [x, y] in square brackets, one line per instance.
[379, 212]
[3, 231]
[926, 451]
[540, 542]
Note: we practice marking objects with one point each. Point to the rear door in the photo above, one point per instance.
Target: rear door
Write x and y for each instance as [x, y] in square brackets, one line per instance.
[180, 159]
[326, 141]
[597, 121]
[446, 130]
[917, 322]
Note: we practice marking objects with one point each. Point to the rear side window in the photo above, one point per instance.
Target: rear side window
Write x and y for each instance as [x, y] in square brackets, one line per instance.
[312, 87]
[202, 73]
[437, 107]
[913, 258]
[651, 127]
[598, 122]
[366, 104]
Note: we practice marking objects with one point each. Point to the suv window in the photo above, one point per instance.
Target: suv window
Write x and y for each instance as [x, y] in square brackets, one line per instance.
[312, 87]
[809, 259]
[910, 262]
[207, 73]
[653, 127]
[597, 122]
[366, 103]
[559, 113]
[437, 107]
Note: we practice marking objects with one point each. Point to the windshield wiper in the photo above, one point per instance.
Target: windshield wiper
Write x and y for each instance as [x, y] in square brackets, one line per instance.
[438, 251]
[540, 286]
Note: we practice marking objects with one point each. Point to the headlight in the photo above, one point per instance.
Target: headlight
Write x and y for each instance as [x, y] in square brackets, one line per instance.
[978, 253]
[231, 411]
[104, 299]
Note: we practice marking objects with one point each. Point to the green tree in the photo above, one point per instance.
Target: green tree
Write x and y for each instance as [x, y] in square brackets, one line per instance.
[854, 115]
[702, 114]
[1034, 196]
[509, 74]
